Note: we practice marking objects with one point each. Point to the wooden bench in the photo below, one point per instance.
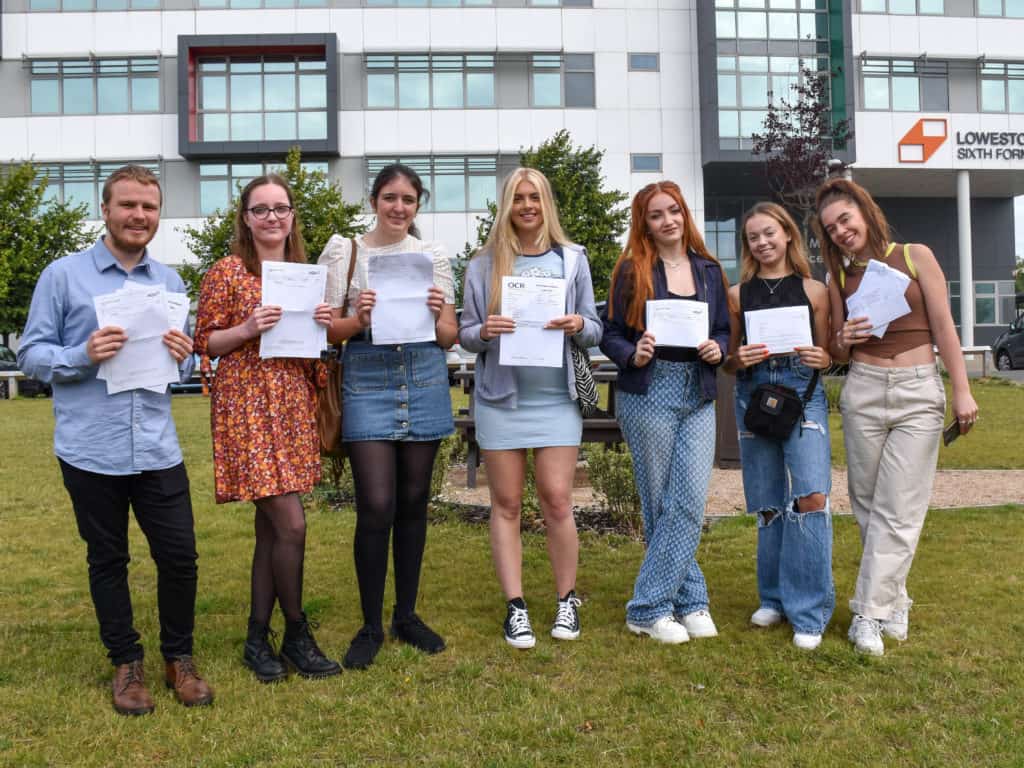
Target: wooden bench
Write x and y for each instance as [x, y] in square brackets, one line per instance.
[602, 428]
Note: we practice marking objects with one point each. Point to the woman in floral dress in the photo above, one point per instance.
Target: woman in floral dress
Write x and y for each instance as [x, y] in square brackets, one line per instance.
[262, 413]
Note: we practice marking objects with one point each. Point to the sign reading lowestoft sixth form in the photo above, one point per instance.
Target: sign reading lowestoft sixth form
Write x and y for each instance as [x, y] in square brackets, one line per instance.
[928, 134]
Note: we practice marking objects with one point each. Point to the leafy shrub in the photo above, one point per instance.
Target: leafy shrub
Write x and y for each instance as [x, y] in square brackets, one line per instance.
[611, 475]
[833, 389]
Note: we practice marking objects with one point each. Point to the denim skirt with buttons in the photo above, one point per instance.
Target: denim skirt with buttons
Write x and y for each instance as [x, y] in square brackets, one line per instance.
[395, 392]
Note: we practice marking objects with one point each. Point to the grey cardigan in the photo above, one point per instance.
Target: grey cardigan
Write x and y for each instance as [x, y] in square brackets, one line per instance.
[496, 384]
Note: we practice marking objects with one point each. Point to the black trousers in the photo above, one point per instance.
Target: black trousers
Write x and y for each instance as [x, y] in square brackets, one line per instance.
[163, 509]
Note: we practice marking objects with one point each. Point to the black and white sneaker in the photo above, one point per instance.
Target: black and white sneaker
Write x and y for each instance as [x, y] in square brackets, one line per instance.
[567, 619]
[518, 632]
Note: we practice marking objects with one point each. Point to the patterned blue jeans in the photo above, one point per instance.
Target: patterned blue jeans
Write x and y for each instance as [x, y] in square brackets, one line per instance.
[670, 432]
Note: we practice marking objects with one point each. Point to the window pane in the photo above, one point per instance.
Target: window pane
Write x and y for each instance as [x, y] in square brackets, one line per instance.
[906, 95]
[480, 89]
[1016, 89]
[413, 90]
[993, 96]
[313, 91]
[144, 4]
[990, 7]
[984, 311]
[44, 5]
[547, 89]
[449, 193]
[112, 94]
[111, 5]
[380, 90]
[76, 192]
[727, 90]
[646, 163]
[729, 124]
[213, 195]
[932, 6]
[246, 127]
[783, 26]
[215, 128]
[77, 5]
[1015, 9]
[312, 125]
[872, 6]
[279, 91]
[876, 93]
[246, 92]
[279, 126]
[44, 97]
[902, 6]
[754, 91]
[643, 62]
[725, 24]
[145, 94]
[579, 89]
[751, 25]
[482, 189]
[448, 89]
[78, 98]
[751, 123]
[934, 94]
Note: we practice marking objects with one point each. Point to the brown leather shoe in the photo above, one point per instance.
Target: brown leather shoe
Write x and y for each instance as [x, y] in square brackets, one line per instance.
[130, 694]
[189, 688]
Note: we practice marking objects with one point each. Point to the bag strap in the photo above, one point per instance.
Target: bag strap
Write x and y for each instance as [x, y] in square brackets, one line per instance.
[351, 271]
[809, 392]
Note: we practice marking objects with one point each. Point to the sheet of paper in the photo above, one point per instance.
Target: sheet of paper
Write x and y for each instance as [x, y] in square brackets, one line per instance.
[141, 364]
[532, 302]
[142, 314]
[401, 314]
[781, 328]
[144, 362]
[677, 323]
[297, 289]
[880, 297]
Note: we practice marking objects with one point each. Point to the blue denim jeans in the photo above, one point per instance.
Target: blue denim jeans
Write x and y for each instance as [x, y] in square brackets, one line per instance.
[794, 549]
[670, 432]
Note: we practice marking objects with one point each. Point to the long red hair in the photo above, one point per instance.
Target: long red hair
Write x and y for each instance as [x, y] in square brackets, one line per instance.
[634, 271]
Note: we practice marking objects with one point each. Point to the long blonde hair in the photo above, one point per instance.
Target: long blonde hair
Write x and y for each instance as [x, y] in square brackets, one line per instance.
[796, 258]
[503, 243]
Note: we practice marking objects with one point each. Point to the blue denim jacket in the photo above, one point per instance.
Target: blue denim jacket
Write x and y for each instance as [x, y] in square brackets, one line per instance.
[619, 340]
[496, 384]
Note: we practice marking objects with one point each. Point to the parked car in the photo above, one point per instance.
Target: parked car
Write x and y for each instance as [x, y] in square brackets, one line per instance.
[1008, 348]
[194, 385]
[26, 387]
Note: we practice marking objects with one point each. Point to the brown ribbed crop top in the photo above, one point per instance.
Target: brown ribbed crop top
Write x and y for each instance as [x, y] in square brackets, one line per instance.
[904, 333]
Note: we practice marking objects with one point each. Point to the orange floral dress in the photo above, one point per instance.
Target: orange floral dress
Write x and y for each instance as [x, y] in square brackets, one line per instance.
[262, 411]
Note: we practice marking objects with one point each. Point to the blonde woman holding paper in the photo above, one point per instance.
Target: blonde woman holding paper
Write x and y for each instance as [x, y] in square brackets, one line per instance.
[517, 407]
[893, 402]
[786, 482]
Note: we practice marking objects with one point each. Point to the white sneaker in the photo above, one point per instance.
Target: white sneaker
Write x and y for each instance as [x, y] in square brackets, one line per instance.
[897, 625]
[567, 618]
[699, 624]
[866, 635]
[664, 630]
[766, 617]
[806, 642]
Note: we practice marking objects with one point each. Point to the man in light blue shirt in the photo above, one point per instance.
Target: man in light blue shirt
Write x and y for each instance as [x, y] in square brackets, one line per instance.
[120, 450]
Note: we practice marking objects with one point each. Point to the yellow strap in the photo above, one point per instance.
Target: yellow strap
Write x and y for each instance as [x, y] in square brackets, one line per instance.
[910, 262]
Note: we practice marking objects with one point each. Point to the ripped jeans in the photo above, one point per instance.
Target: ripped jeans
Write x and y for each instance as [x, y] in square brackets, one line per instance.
[794, 549]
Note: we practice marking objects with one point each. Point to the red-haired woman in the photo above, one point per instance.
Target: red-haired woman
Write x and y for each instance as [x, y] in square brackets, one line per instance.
[666, 407]
[893, 402]
[265, 447]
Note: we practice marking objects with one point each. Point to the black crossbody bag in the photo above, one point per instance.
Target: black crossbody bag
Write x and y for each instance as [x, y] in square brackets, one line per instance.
[775, 409]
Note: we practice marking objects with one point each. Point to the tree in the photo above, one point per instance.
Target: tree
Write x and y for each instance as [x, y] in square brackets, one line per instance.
[800, 141]
[33, 232]
[1018, 275]
[590, 214]
[318, 202]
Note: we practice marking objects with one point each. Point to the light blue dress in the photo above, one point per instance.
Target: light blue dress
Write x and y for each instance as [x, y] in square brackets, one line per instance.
[545, 415]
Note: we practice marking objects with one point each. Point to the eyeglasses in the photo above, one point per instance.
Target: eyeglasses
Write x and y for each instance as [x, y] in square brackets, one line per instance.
[262, 212]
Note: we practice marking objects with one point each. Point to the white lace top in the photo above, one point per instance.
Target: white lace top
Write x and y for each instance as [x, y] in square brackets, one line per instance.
[336, 257]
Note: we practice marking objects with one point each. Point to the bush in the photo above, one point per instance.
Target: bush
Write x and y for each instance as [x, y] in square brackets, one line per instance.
[833, 389]
[611, 475]
[448, 453]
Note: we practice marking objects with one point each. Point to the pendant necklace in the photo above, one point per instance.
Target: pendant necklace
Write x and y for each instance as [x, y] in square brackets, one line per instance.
[772, 288]
[672, 264]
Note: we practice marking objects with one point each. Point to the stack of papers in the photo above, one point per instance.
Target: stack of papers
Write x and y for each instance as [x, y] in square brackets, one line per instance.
[145, 313]
[677, 323]
[880, 297]
[532, 302]
[400, 314]
[296, 289]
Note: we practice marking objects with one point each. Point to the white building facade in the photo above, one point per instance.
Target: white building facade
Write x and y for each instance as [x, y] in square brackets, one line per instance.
[213, 92]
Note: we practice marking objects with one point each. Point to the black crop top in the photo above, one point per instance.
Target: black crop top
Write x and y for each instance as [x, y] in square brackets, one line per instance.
[760, 293]
[678, 354]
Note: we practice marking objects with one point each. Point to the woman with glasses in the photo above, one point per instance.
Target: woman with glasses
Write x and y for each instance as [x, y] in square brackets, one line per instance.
[521, 407]
[397, 409]
[666, 406]
[262, 411]
[786, 482]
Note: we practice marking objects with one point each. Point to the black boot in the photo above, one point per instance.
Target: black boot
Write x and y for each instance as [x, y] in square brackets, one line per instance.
[300, 650]
[364, 647]
[413, 631]
[259, 654]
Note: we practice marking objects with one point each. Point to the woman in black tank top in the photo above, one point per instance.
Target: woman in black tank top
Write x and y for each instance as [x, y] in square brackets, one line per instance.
[786, 482]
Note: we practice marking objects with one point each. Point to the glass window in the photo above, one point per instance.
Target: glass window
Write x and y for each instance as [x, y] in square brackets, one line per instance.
[82, 183]
[872, 6]
[876, 93]
[45, 95]
[546, 81]
[220, 182]
[643, 62]
[725, 25]
[751, 25]
[728, 124]
[262, 98]
[1002, 87]
[91, 86]
[906, 94]
[579, 80]
[424, 81]
[993, 96]
[727, 91]
[783, 26]
[905, 85]
[645, 163]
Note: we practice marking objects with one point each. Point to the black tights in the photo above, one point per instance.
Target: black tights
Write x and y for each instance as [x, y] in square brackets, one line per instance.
[277, 558]
[392, 481]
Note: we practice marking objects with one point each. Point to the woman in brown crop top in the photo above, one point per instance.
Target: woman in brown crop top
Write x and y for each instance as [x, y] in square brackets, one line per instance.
[893, 402]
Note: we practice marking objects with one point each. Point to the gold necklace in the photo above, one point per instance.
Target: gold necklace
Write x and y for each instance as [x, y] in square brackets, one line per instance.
[672, 264]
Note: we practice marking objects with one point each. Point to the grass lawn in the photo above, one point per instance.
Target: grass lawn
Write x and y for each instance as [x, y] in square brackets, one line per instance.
[949, 696]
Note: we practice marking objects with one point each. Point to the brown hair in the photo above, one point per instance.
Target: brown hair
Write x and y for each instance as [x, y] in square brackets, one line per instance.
[796, 257]
[878, 232]
[641, 254]
[132, 173]
[243, 245]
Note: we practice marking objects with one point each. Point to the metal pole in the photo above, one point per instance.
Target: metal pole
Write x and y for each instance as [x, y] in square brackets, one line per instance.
[963, 226]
